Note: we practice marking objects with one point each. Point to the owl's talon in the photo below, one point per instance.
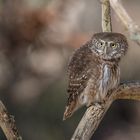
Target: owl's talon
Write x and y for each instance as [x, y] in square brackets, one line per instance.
[97, 104]
[94, 104]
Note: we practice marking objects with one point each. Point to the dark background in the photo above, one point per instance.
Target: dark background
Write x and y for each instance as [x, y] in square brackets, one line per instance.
[37, 37]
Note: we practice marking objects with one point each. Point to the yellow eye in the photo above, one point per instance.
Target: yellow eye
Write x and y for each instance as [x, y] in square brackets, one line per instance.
[113, 45]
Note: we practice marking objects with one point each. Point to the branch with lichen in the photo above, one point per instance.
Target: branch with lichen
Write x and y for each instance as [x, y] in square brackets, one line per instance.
[106, 16]
[7, 123]
[94, 114]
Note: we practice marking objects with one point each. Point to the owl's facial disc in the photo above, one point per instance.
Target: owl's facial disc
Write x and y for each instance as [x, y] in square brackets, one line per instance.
[109, 46]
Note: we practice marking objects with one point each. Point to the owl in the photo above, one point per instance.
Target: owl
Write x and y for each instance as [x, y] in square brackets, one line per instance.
[93, 70]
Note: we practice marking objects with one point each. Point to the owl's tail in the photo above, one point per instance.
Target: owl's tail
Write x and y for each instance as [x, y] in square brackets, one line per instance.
[70, 109]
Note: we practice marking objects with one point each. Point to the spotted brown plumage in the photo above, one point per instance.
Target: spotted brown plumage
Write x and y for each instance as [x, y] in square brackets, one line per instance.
[93, 70]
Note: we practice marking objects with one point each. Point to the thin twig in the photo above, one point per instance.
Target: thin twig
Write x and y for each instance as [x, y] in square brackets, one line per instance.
[106, 16]
[130, 25]
[7, 123]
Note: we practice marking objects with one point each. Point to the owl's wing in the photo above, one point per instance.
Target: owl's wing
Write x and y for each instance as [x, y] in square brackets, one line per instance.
[79, 72]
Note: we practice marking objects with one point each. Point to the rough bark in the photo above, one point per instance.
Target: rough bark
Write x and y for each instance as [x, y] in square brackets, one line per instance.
[7, 123]
[95, 113]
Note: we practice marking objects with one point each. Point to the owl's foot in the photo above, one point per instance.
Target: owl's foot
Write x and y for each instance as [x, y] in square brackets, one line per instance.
[97, 104]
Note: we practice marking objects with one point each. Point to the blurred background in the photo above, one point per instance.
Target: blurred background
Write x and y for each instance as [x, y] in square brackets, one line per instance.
[37, 37]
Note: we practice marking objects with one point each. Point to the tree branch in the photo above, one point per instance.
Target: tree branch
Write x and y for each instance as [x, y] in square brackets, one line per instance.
[106, 16]
[94, 114]
[90, 121]
[130, 25]
[128, 90]
[7, 123]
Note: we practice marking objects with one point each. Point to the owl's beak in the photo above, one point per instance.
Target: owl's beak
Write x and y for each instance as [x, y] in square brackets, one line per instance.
[105, 49]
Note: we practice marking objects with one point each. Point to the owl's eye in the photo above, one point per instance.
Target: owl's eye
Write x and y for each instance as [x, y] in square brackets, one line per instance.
[100, 45]
[114, 46]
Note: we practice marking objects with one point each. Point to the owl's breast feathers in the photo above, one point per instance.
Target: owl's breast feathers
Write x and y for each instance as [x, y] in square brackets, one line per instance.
[109, 80]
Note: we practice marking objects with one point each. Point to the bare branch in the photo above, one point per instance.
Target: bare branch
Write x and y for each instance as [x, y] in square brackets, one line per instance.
[90, 121]
[7, 123]
[129, 90]
[106, 16]
[130, 25]
[94, 114]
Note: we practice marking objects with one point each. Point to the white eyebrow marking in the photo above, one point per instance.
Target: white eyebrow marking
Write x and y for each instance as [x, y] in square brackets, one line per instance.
[109, 43]
[102, 41]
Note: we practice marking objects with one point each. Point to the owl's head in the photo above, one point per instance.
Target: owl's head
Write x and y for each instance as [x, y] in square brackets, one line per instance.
[109, 45]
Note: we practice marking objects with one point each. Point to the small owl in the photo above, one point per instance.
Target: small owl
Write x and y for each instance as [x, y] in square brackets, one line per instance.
[94, 71]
